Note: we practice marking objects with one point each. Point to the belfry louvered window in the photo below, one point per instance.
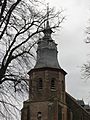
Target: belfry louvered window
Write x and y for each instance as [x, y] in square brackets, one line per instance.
[52, 83]
[40, 84]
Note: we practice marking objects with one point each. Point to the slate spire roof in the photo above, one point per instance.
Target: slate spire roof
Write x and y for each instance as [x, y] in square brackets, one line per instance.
[47, 49]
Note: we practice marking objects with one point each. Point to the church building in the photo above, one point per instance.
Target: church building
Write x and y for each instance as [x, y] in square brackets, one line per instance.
[48, 99]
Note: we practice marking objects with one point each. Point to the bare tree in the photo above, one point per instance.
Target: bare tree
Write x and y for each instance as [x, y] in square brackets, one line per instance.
[86, 70]
[21, 23]
[5, 13]
[86, 67]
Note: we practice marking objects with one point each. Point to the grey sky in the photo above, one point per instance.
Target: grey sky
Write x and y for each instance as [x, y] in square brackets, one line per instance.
[73, 52]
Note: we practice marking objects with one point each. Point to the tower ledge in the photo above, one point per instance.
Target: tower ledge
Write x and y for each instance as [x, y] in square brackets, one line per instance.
[47, 68]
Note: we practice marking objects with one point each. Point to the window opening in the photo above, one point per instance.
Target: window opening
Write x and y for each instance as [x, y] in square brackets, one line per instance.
[53, 84]
[39, 115]
[40, 84]
[63, 86]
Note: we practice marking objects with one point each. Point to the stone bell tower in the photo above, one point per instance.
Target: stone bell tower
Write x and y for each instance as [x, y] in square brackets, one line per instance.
[47, 83]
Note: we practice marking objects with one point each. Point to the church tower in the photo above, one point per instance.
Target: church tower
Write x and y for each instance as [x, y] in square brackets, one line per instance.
[46, 84]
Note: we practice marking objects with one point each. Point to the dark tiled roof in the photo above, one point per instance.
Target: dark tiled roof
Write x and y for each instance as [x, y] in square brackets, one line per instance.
[87, 107]
[81, 102]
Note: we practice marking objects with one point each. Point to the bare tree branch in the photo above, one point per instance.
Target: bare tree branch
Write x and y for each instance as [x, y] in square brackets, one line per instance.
[21, 24]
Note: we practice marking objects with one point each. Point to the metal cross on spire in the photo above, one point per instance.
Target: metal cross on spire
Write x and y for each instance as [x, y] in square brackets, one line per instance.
[47, 29]
[47, 23]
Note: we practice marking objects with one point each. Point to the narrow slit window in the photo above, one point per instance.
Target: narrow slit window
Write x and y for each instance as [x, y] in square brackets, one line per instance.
[63, 86]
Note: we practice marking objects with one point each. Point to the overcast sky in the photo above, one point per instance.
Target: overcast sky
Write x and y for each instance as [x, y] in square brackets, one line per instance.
[72, 50]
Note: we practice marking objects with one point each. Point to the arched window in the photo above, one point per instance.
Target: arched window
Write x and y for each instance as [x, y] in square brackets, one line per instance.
[53, 83]
[39, 115]
[40, 84]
